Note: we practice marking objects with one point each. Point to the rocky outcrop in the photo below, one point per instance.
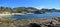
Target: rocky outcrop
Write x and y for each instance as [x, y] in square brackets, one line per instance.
[33, 22]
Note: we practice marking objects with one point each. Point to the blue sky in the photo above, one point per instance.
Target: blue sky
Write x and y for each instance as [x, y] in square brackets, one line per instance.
[31, 3]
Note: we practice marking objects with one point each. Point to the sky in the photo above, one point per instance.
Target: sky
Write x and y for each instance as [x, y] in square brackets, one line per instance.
[31, 3]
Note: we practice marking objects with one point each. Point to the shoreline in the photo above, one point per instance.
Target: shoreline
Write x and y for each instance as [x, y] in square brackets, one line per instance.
[24, 22]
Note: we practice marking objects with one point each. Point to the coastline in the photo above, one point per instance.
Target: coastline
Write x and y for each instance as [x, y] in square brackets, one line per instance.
[12, 22]
[5, 14]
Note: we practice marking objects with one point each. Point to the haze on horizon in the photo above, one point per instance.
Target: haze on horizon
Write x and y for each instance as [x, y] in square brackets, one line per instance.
[31, 3]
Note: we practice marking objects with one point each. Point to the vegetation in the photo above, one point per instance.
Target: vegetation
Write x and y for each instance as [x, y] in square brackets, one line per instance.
[26, 10]
[7, 9]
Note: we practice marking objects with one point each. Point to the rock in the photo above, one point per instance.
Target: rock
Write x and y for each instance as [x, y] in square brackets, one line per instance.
[34, 25]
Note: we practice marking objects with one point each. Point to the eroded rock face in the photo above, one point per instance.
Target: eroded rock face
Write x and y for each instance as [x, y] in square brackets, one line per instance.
[34, 25]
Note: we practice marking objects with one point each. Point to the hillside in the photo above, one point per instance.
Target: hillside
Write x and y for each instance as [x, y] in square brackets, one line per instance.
[26, 10]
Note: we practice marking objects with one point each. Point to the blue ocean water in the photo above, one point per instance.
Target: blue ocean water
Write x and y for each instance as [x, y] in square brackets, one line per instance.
[35, 16]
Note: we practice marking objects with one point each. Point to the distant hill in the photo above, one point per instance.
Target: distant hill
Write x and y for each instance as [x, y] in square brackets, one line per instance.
[27, 10]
